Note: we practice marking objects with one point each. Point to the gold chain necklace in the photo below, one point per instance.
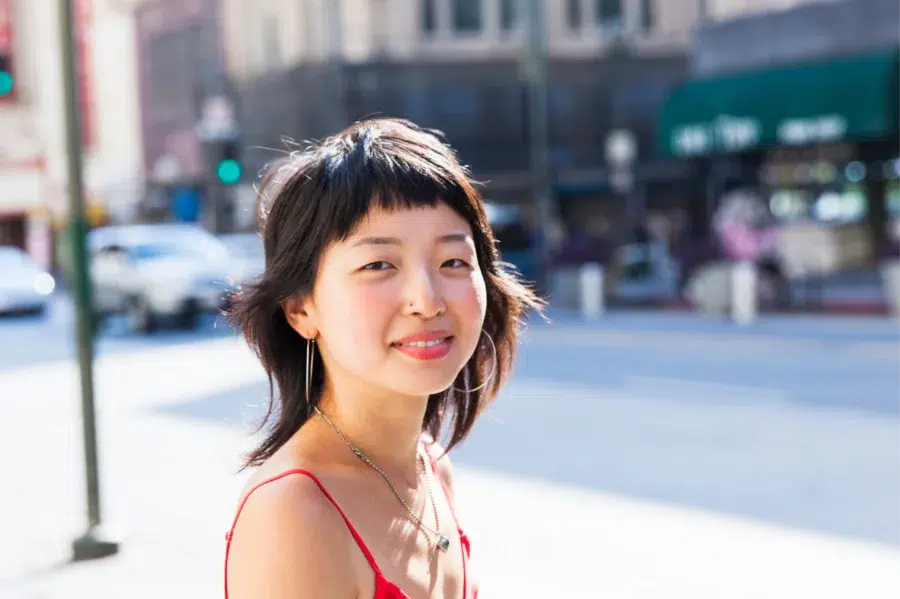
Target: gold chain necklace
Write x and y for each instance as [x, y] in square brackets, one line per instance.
[443, 543]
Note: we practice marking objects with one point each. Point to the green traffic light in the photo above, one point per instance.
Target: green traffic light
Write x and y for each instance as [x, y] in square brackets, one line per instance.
[229, 171]
[6, 83]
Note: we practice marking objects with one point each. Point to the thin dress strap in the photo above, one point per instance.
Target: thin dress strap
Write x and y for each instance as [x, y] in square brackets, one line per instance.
[330, 498]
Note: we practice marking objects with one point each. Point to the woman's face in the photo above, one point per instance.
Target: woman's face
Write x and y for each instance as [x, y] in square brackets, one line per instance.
[399, 305]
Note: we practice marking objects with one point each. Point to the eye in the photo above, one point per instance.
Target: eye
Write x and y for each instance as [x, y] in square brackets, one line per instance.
[378, 265]
[456, 263]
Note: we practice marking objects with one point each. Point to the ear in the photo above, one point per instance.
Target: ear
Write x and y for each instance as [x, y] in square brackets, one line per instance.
[300, 315]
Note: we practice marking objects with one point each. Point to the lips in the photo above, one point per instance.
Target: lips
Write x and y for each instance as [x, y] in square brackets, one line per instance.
[426, 345]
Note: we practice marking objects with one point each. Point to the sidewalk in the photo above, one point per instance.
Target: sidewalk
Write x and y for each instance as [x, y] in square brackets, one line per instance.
[167, 483]
[783, 326]
[169, 486]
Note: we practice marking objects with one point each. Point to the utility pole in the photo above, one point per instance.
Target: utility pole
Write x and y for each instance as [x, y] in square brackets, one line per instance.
[534, 71]
[92, 544]
[336, 59]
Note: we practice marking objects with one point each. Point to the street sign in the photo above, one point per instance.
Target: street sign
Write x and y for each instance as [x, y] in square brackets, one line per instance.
[217, 122]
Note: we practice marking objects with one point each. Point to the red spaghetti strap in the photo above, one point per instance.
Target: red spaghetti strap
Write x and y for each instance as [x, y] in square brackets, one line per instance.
[325, 492]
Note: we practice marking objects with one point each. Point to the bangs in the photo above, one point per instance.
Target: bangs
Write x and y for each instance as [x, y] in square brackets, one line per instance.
[372, 171]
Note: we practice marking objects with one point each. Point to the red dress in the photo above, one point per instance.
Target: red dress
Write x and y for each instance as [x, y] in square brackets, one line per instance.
[384, 588]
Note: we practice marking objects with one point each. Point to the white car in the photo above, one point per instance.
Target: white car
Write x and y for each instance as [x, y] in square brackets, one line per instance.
[151, 272]
[24, 286]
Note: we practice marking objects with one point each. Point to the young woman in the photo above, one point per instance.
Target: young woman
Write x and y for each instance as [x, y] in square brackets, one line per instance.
[384, 318]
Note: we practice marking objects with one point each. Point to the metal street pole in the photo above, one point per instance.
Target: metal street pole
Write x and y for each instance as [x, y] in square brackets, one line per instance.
[336, 60]
[535, 73]
[92, 544]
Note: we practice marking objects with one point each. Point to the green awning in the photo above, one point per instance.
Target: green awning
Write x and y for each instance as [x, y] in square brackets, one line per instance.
[853, 98]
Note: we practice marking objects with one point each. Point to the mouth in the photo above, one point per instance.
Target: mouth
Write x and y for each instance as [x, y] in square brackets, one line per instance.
[432, 348]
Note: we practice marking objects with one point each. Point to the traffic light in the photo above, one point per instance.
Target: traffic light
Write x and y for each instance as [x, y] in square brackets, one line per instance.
[228, 165]
[7, 77]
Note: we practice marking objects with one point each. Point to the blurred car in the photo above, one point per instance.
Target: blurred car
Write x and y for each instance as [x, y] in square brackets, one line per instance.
[248, 260]
[24, 286]
[152, 272]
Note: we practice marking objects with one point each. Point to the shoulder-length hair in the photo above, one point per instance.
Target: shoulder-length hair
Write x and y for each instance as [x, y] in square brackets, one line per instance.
[317, 196]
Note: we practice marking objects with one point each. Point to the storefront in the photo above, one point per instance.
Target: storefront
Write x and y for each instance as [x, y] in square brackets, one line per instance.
[818, 140]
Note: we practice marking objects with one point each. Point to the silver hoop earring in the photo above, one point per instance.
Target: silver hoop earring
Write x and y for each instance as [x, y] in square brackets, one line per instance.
[310, 348]
[490, 375]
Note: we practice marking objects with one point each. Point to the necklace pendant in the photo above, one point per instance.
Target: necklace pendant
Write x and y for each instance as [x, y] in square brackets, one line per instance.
[443, 543]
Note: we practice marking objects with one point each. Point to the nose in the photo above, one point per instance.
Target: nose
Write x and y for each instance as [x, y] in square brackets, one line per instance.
[424, 298]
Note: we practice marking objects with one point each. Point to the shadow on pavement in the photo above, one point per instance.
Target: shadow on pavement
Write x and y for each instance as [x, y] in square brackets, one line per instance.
[836, 379]
[242, 406]
[768, 326]
[31, 341]
[594, 440]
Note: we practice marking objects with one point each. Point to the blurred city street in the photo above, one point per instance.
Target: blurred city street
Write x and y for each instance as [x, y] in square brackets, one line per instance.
[662, 170]
[665, 455]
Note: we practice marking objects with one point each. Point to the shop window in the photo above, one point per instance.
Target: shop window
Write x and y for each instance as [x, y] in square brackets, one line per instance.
[459, 102]
[509, 14]
[893, 210]
[610, 16]
[429, 16]
[789, 205]
[892, 199]
[467, 16]
[840, 207]
[648, 18]
[573, 15]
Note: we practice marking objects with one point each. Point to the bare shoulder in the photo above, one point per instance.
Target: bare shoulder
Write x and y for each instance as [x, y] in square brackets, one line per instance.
[290, 541]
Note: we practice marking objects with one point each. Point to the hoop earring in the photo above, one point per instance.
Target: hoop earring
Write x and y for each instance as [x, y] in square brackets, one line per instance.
[310, 348]
[490, 375]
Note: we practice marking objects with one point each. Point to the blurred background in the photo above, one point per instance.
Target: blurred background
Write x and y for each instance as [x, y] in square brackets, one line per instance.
[708, 191]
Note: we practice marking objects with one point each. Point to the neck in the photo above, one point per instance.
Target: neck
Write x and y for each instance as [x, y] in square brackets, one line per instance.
[386, 429]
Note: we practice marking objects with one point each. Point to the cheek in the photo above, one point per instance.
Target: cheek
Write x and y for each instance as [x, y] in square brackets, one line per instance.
[369, 307]
[359, 314]
[470, 300]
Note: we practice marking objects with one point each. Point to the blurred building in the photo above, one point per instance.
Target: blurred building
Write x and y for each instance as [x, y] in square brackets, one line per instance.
[304, 69]
[800, 106]
[180, 70]
[300, 69]
[34, 198]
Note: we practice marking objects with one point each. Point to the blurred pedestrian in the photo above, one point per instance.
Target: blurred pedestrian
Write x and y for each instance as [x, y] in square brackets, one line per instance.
[383, 314]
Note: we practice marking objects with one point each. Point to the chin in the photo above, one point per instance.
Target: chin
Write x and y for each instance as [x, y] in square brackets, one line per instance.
[422, 385]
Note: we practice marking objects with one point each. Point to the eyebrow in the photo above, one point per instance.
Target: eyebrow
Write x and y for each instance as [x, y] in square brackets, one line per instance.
[451, 238]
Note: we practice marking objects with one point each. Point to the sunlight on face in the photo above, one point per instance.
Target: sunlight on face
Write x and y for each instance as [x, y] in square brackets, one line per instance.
[400, 303]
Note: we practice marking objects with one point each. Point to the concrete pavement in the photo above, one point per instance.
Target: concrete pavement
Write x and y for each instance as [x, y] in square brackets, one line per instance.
[590, 478]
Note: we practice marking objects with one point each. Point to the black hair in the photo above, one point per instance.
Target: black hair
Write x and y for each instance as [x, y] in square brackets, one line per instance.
[319, 195]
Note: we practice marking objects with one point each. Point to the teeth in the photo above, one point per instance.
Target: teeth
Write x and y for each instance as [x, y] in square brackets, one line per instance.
[424, 343]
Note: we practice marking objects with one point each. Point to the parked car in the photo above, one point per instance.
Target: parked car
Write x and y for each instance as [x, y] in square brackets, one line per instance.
[154, 272]
[24, 286]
